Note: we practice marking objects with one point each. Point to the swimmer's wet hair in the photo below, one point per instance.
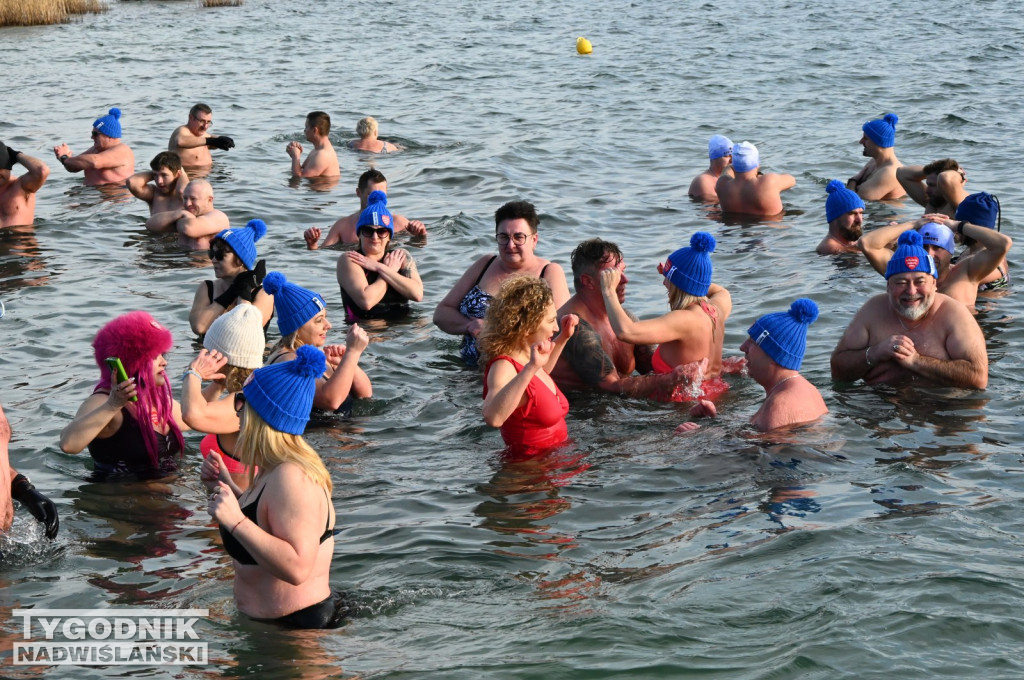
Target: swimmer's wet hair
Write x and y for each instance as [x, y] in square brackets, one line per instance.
[516, 210]
[320, 121]
[166, 159]
[588, 255]
[515, 312]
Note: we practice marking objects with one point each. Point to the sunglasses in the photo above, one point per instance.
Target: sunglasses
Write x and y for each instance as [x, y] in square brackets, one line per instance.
[218, 253]
[94, 134]
[518, 238]
[240, 402]
[379, 232]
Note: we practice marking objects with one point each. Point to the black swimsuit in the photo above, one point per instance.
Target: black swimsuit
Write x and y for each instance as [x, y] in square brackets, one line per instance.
[238, 551]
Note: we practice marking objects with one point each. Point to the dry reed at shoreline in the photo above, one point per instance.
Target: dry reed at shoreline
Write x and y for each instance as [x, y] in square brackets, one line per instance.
[42, 12]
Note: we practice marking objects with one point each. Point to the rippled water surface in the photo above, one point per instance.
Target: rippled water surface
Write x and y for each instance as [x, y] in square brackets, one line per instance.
[883, 541]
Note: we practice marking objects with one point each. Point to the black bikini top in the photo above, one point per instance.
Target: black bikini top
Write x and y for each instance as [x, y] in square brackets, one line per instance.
[238, 551]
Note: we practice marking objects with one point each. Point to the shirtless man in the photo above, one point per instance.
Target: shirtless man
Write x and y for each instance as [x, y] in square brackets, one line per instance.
[593, 356]
[108, 160]
[749, 192]
[163, 188]
[18, 194]
[774, 348]
[18, 487]
[877, 179]
[193, 141]
[322, 160]
[959, 281]
[938, 186]
[844, 211]
[702, 188]
[198, 220]
[912, 332]
[344, 230]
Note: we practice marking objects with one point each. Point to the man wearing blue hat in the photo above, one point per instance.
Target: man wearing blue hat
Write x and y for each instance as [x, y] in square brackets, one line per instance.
[877, 179]
[18, 194]
[844, 211]
[108, 160]
[702, 188]
[961, 280]
[344, 230]
[745, 190]
[193, 141]
[912, 333]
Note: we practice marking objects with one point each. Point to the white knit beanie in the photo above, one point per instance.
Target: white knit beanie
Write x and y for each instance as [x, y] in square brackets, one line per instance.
[238, 335]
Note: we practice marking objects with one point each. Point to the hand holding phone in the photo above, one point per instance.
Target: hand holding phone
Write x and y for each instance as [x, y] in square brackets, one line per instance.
[117, 370]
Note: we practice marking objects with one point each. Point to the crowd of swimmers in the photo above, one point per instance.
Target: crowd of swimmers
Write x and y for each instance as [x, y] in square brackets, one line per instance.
[270, 493]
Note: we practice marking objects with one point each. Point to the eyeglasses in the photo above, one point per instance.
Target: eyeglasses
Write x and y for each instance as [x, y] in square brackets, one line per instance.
[370, 232]
[218, 253]
[239, 402]
[519, 238]
[203, 123]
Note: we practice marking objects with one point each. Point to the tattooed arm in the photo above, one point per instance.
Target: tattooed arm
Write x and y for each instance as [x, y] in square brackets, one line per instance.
[593, 366]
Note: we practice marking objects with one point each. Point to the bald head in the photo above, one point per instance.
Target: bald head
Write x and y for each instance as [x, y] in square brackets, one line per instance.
[198, 197]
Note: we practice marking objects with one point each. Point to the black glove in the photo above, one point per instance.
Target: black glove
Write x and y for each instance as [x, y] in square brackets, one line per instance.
[260, 271]
[221, 142]
[41, 507]
[8, 157]
[234, 291]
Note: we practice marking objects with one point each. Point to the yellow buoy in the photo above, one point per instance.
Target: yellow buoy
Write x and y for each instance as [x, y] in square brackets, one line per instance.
[583, 45]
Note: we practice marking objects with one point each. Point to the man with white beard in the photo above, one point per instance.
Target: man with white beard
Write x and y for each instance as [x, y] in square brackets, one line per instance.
[912, 333]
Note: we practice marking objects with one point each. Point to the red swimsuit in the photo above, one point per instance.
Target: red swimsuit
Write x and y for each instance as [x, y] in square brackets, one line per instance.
[540, 424]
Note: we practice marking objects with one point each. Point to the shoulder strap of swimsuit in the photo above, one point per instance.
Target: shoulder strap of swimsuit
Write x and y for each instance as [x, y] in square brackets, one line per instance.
[484, 270]
[544, 270]
[209, 289]
[711, 311]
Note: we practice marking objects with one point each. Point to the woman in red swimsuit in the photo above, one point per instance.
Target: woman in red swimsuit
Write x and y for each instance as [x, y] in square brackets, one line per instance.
[519, 345]
[694, 329]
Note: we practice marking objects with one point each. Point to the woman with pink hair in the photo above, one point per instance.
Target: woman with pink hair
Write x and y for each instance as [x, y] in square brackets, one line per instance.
[132, 427]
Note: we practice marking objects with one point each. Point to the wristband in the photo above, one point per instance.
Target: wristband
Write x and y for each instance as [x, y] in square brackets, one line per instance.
[63, 159]
[192, 371]
[867, 358]
[960, 227]
[232, 532]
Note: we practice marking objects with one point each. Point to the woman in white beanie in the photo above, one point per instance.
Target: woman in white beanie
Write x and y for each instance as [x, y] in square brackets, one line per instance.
[233, 348]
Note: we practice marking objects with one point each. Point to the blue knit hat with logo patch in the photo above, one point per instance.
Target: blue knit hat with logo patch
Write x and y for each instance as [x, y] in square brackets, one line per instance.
[110, 124]
[981, 208]
[840, 200]
[882, 132]
[243, 241]
[910, 256]
[376, 213]
[783, 335]
[294, 304]
[282, 394]
[690, 268]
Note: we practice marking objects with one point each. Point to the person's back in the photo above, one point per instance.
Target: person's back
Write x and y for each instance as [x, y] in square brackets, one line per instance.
[748, 192]
[702, 188]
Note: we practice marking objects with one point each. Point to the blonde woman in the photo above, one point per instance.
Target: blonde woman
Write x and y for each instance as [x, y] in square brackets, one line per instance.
[279, 532]
[519, 346]
[366, 128]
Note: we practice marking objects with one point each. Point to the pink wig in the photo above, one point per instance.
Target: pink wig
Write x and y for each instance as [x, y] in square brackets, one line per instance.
[137, 340]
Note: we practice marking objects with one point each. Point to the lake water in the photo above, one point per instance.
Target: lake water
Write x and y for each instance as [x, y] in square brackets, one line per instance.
[883, 541]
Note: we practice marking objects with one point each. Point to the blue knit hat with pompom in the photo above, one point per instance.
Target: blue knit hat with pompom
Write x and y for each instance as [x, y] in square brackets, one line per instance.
[376, 213]
[282, 394]
[690, 268]
[294, 305]
[882, 132]
[243, 241]
[783, 335]
[840, 200]
[981, 208]
[110, 124]
[910, 256]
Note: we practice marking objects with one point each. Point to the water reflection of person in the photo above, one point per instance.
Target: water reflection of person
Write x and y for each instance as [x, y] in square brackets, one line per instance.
[133, 427]
[19, 256]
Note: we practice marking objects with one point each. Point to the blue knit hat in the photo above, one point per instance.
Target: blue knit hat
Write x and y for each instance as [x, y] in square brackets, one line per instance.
[282, 394]
[840, 200]
[376, 213]
[295, 305]
[933, 233]
[783, 335]
[910, 256]
[719, 146]
[690, 269]
[745, 157]
[882, 132]
[981, 208]
[243, 241]
[110, 124]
